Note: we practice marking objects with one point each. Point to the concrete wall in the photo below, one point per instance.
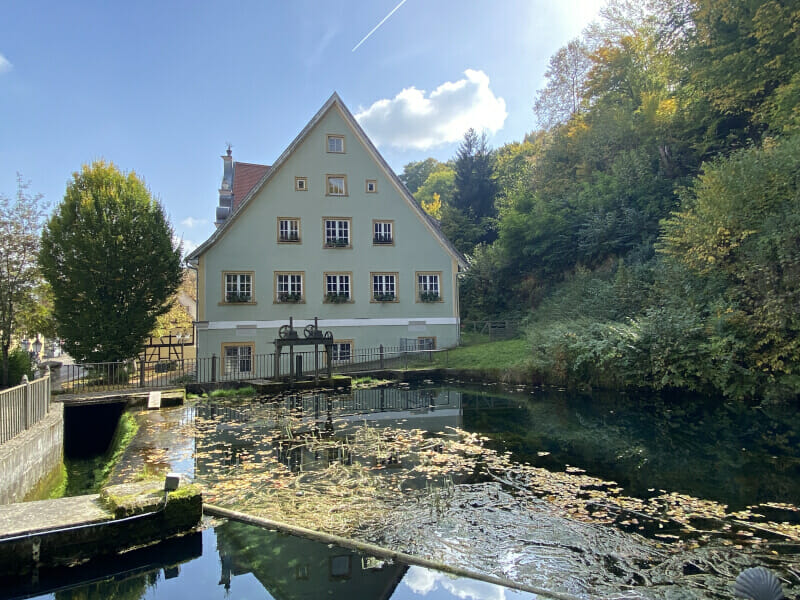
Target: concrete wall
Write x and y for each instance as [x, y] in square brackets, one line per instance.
[32, 455]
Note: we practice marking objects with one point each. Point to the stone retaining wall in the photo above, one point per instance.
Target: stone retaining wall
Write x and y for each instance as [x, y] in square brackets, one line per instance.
[31, 456]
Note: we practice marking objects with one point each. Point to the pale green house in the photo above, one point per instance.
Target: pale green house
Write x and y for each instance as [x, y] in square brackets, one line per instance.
[327, 231]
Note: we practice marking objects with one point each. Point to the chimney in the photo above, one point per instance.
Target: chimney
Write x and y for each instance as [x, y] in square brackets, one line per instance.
[226, 189]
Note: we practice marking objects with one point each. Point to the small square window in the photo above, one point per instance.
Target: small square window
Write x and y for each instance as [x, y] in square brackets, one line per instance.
[335, 143]
[372, 186]
[336, 185]
[301, 184]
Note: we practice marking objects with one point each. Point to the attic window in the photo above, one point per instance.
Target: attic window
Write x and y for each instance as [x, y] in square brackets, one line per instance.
[336, 185]
[301, 184]
[335, 143]
[372, 186]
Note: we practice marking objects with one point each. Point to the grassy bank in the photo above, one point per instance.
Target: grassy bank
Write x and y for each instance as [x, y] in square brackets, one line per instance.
[87, 476]
[505, 360]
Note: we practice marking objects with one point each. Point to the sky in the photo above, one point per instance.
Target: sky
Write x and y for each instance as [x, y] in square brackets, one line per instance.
[160, 88]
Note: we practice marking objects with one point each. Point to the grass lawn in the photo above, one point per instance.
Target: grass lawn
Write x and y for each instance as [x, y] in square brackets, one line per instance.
[504, 354]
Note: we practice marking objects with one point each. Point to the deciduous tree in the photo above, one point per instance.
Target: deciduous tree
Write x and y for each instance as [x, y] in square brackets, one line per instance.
[109, 257]
[21, 221]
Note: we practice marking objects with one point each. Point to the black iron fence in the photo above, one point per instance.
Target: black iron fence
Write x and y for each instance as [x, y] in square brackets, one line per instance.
[90, 377]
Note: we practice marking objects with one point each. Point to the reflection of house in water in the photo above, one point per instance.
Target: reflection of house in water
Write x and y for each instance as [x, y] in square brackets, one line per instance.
[291, 568]
[239, 431]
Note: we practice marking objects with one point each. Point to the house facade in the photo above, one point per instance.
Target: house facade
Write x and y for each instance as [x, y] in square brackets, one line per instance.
[327, 231]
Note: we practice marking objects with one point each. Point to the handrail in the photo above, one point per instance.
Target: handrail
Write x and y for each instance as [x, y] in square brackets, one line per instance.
[24, 405]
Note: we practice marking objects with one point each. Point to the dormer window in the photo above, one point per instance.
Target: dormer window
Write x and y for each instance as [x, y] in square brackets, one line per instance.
[335, 143]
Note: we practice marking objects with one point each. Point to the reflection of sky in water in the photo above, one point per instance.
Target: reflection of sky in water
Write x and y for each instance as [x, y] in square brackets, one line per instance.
[433, 585]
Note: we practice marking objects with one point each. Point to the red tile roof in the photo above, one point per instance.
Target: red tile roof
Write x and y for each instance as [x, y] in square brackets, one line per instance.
[245, 176]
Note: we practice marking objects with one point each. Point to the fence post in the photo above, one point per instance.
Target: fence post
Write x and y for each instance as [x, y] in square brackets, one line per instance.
[47, 391]
[381, 353]
[26, 396]
[141, 373]
[213, 367]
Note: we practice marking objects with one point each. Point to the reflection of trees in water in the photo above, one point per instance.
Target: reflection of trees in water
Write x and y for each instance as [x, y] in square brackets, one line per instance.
[728, 452]
[133, 588]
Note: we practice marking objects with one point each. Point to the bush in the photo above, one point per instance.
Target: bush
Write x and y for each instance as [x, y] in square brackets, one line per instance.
[19, 364]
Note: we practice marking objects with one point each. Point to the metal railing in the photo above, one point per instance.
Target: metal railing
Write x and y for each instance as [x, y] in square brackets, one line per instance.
[496, 330]
[23, 406]
[98, 377]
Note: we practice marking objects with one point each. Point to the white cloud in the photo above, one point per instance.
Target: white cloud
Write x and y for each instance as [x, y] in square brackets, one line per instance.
[191, 222]
[423, 581]
[414, 120]
[188, 245]
[5, 65]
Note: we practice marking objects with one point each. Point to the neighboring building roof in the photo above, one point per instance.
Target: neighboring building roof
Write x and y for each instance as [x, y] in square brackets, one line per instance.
[245, 177]
[240, 203]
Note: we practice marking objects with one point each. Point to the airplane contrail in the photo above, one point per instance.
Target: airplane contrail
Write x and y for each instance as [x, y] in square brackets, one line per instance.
[378, 25]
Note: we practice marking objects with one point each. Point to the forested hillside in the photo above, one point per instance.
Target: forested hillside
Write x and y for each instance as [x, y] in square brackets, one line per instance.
[649, 232]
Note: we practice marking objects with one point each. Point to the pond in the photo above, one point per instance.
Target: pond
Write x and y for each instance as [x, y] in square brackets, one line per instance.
[590, 495]
[234, 560]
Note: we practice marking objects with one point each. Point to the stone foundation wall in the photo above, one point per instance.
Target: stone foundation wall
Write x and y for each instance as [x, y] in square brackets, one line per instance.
[32, 455]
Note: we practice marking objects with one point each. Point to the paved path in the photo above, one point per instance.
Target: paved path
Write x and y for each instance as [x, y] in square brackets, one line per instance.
[29, 517]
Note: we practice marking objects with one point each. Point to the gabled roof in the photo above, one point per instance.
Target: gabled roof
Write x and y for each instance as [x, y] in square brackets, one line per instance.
[333, 101]
[245, 177]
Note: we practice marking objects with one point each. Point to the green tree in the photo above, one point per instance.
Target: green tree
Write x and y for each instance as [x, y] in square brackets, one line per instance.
[745, 60]
[20, 227]
[415, 173]
[475, 185]
[442, 181]
[109, 257]
[740, 223]
[562, 96]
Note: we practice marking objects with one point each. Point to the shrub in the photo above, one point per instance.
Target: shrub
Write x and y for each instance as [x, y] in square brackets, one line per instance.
[19, 364]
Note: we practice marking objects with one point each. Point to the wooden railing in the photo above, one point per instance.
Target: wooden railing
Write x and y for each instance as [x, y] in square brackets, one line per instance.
[23, 406]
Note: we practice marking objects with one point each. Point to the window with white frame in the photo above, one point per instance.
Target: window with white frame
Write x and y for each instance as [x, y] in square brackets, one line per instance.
[289, 287]
[335, 143]
[238, 358]
[288, 230]
[336, 185]
[337, 233]
[301, 184]
[426, 343]
[382, 233]
[341, 351]
[428, 289]
[384, 287]
[238, 288]
[337, 287]
[372, 186]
